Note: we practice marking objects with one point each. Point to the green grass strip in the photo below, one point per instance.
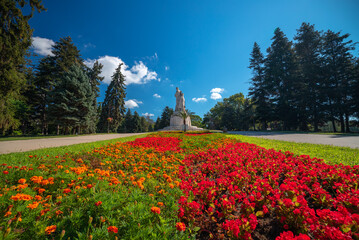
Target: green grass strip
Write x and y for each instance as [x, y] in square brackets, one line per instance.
[58, 151]
[330, 154]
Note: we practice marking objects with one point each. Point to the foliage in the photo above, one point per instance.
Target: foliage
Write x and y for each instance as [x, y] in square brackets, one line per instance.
[114, 103]
[15, 40]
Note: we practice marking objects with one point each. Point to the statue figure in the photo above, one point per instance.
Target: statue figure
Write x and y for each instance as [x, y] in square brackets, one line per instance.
[180, 102]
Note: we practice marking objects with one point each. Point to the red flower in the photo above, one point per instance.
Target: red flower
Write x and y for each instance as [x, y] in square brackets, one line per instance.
[156, 210]
[67, 190]
[98, 203]
[112, 229]
[181, 226]
[5, 172]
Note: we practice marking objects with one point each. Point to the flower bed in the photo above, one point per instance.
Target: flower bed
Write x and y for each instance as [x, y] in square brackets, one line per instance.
[219, 188]
[243, 191]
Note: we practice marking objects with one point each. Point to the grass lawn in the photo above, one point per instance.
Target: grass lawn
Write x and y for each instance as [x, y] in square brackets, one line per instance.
[331, 154]
[58, 151]
[13, 138]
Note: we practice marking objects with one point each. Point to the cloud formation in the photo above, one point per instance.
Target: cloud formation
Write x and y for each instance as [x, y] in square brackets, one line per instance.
[42, 46]
[148, 114]
[132, 103]
[156, 95]
[197, 100]
[216, 93]
[137, 74]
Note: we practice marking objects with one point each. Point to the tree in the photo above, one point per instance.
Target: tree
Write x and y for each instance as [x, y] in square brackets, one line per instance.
[128, 122]
[280, 70]
[114, 104]
[157, 124]
[43, 85]
[259, 90]
[309, 86]
[339, 76]
[165, 117]
[95, 81]
[73, 99]
[15, 40]
[136, 123]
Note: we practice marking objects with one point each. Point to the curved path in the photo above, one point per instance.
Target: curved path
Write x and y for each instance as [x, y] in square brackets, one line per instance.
[335, 140]
[32, 144]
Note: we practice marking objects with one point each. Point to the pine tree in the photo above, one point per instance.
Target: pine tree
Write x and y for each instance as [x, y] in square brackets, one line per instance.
[338, 74]
[95, 81]
[356, 89]
[72, 97]
[43, 85]
[136, 123]
[280, 79]
[15, 40]
[157, 124]
[259, 91]
[165, 117]
[114, 104]
[128, 122]
[310, 76]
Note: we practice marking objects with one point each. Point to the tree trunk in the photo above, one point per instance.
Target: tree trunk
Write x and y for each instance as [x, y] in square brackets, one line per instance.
[58, 129]
[347, 127]
[342, 125]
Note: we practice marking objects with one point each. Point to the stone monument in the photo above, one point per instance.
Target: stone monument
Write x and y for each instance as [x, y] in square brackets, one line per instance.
[180, 120]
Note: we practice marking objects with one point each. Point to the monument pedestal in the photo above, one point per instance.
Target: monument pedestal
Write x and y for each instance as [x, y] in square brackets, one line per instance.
[176, 124]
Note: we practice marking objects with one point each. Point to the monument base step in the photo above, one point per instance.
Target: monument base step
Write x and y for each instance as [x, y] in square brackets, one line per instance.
[181, 128]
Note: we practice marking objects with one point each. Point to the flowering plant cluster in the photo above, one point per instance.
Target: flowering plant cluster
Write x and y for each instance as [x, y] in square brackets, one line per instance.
[242, 191]
[219, 188]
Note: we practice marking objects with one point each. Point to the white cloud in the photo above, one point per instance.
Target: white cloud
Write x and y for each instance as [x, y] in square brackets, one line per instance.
[137, 74]
[156, 95]
[216, 93]
[148, 114]
[197, 100]
[167, 68]
[42, 46]
[132, 103]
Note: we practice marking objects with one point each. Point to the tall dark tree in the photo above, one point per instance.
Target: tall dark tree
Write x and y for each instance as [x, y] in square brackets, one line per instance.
[114, 104]
[15, 40]
[128, 122]
[339, 76]
[309, 99]
[356, 89]
[280, 79]
[43, 85]
[95, 80]
[165, 117]
[136, 123]
[157, 124]
[259, 90]
[73, 97]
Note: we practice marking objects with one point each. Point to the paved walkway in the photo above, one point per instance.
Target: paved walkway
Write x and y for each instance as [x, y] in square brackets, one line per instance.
[335, 140]
[32, 144]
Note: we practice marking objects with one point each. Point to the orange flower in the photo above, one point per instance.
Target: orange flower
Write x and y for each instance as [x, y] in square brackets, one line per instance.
[181, 226]
[50, 229]
[58, 212]
[33, 205]
[160, 204]
[21, 196]
[38, 198]
[112, 229]
[41, 190]
[22, 181]
[156, 210]
[7, 214]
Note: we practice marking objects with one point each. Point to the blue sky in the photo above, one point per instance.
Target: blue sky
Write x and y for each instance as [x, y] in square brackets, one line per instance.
[202, 47]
